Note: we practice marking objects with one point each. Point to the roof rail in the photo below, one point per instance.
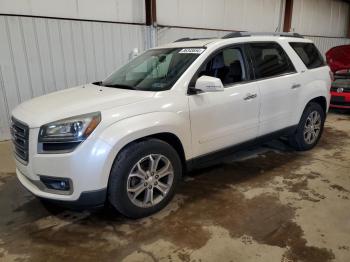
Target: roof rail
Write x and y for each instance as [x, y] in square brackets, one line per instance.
[245, 34]
[191, 39]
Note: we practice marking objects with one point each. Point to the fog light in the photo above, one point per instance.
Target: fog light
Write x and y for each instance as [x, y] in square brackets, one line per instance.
[56, 183]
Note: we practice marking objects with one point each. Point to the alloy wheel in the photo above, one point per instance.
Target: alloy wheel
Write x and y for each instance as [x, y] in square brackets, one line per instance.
[312, 127]
[150, 180]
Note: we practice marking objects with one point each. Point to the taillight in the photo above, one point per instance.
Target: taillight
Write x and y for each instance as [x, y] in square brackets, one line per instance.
[331, 75]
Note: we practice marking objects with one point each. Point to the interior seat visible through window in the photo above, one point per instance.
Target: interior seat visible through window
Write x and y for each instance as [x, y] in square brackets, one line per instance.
[218, 68]
[235, 73]
[228, 65]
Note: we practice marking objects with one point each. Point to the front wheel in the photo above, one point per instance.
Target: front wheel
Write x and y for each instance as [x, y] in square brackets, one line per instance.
[144, 177]
[309, 129]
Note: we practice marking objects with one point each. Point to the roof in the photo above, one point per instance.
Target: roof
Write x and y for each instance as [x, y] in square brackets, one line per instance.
[194, 43]
[205, 42]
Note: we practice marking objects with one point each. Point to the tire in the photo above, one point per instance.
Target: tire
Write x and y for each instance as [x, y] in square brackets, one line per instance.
[302, 141]
[132, 171]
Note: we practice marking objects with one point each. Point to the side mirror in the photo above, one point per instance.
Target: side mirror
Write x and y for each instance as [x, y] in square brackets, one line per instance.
[209, 84]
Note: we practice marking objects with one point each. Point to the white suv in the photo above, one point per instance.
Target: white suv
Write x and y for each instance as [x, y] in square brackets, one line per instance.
[128, 139]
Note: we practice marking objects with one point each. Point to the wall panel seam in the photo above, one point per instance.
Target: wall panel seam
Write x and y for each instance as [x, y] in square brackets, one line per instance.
[74, 53]
[39, 56]
[63, 56]
[93, 49]
[3, 91]
[19, 99]
[24, 47]
[104, 49]
[50, 51]
[84, 51]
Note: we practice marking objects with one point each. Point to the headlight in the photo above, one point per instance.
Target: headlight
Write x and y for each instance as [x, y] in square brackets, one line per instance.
[73, 129]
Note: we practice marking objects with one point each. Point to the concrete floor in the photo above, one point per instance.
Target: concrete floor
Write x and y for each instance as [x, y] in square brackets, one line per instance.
[270, 204]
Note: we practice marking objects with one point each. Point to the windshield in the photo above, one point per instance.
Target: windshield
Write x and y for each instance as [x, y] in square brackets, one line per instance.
[155, 70]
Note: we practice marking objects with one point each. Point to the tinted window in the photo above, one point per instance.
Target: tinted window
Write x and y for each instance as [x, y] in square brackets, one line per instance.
[228, 65]
[309, 54]
[269, 59]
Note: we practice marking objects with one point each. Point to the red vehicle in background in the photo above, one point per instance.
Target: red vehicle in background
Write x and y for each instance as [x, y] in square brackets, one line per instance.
[338, 59]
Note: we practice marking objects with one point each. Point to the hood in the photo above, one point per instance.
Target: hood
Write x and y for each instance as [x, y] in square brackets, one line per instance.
[339, 58]
[75, 101]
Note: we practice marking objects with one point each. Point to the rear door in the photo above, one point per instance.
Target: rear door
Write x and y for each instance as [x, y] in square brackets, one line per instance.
[279, 86]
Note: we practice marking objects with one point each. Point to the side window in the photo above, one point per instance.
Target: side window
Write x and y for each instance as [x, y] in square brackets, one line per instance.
[228, 65]
[269, 59]
[309, 54]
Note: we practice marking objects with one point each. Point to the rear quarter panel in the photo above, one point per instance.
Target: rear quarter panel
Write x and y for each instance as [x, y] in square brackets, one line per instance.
[315, 83]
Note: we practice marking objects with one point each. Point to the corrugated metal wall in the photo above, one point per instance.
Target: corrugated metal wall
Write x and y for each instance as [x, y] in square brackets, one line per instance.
[40, 55]
[323, 21]
[326, 43]
[320, 17]
[170, 34]
[254, 15]
[310, 17]
[130, 11]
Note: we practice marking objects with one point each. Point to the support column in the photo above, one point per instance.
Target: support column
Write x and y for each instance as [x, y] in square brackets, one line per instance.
[348, 33]
[288, 13]
[151, 21]
[151, 12]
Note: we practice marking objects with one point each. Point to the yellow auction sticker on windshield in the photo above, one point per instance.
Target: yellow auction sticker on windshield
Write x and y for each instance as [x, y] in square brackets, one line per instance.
[192, 51]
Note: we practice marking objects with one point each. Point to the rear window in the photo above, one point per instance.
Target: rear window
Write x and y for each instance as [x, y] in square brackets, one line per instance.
[309, 54]
[270, 60]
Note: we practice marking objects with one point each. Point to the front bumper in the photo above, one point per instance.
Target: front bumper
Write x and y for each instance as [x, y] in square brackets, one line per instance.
[88, 199]
[340, 100]
[87, 167]
[340, 93]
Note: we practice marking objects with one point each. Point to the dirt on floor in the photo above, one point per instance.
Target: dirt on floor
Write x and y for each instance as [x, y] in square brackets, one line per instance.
[267, 204]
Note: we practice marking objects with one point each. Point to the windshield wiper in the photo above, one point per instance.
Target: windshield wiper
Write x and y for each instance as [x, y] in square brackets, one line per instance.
[120, 86]
[98, 83]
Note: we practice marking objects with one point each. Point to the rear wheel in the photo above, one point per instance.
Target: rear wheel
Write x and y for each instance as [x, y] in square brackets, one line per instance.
[309, 129]
[143, 178]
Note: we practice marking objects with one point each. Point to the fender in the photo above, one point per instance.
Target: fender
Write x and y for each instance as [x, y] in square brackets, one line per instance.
[125, 131]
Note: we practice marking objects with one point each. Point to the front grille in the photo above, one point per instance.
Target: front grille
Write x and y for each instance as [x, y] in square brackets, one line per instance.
[340, 89]
[20, 139]
[341, 86]
[342, 76]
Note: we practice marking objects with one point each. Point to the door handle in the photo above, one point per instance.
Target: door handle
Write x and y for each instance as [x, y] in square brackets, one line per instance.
[250, 96]
[295, 86]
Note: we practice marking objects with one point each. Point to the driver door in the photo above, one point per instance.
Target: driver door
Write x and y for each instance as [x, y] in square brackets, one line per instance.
[223, 119]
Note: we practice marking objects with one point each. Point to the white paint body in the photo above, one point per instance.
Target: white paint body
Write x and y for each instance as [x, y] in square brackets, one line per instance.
[204, 122]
